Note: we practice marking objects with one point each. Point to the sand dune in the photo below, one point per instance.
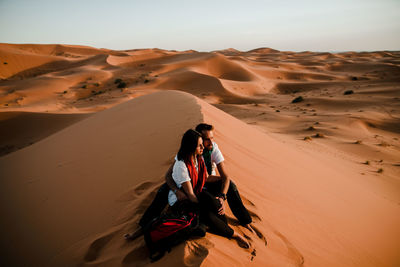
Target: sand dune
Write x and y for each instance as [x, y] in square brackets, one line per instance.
[87, 134]
[100, 154]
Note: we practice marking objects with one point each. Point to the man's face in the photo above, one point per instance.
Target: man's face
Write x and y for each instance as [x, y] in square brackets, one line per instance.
[208, 138]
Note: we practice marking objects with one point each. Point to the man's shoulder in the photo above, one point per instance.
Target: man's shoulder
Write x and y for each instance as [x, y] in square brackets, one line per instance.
[215, 146]
[216, 155]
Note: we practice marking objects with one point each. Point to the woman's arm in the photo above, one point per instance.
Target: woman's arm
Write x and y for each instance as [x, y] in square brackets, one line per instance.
[172, 185]
[187, 188]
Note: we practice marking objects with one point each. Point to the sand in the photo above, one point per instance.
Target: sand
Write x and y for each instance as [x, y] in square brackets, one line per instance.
[87, 135]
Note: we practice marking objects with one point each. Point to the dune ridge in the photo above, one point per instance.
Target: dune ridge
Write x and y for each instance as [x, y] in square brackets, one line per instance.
[319, 176]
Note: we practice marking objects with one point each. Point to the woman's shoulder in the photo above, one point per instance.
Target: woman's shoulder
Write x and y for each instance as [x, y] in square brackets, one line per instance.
[179, 164]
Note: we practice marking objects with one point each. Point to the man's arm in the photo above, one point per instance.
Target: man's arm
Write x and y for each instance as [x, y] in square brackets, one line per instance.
[224, 177]
[172, 185]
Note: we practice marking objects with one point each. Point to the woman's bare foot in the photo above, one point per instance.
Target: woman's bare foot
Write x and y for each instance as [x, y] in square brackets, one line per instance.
[242, 242]
[134, 235]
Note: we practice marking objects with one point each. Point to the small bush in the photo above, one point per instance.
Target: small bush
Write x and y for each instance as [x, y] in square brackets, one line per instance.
[358, 142]
[65, 92]
[348, 92]
[298, 99]
[307, 138]
[277, 110]
[311, 128]
[117, 81]
[97, 84]
[366, 162]
[319, 135]
[97, 93]
[146, 81]
[384, 144]
[121, 85]
[5, 63]
[84, 86]
[353, 78]
[380, 170]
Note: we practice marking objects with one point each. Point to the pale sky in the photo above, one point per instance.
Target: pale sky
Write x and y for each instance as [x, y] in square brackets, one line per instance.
[295, 25]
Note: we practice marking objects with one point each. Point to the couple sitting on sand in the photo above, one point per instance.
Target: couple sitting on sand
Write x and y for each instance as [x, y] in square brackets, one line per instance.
[192, 177]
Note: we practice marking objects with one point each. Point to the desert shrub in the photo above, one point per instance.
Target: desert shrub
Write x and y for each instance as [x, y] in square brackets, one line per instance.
[380, 170]
[353, 78]
[319, 135]
[97, 92]
[307, 138]
[298, 99]
[146, 81]
[118, 81]
[348, 92]
[84, 86]
[358, 142]
[366, 162]
[384, 144]
[121, 85]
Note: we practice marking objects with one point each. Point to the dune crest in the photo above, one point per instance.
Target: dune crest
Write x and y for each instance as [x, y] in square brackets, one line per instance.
[310, 138]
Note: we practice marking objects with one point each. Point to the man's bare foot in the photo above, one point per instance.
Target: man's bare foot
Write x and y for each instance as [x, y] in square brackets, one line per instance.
[134, 235]
[242, 242]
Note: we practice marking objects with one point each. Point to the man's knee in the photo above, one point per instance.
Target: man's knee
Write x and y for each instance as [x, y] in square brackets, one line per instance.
[232, 186]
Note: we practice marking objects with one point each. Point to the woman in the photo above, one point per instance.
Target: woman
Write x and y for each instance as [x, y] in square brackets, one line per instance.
[190, 173]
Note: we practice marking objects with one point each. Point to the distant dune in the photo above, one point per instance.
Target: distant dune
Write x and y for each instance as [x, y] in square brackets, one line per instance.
[87, 134]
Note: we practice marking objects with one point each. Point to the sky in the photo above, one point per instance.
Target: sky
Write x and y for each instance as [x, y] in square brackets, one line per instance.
[286, 25]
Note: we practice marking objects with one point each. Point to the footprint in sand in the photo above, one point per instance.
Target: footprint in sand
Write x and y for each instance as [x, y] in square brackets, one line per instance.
[141, 188]
[293, 252]
[96, 246]
[196, 251]
[137, 257]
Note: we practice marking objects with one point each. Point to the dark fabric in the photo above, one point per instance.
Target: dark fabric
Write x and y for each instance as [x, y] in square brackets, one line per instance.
[209, 206]
[157, 206]
[207, 159]
[197, 178]
[234, 200]
[171, 229]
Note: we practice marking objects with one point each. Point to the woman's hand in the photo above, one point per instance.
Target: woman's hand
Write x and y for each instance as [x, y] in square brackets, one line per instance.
[180, 195]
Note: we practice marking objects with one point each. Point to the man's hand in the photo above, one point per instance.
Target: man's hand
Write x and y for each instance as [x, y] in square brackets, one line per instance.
[221, 210]
[180, 195]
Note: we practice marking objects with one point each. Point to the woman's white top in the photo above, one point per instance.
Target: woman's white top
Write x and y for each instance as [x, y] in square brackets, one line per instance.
[180, 174]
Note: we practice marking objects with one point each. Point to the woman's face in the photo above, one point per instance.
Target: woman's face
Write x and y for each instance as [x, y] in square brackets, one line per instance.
[200, 147]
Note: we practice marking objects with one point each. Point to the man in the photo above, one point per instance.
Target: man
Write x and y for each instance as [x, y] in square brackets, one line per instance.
[220, 186]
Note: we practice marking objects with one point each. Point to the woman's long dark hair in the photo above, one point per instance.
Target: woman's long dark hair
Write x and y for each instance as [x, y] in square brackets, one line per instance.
[188, 144]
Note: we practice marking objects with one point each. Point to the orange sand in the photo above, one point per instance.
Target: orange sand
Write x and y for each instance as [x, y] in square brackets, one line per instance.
[81, 157]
